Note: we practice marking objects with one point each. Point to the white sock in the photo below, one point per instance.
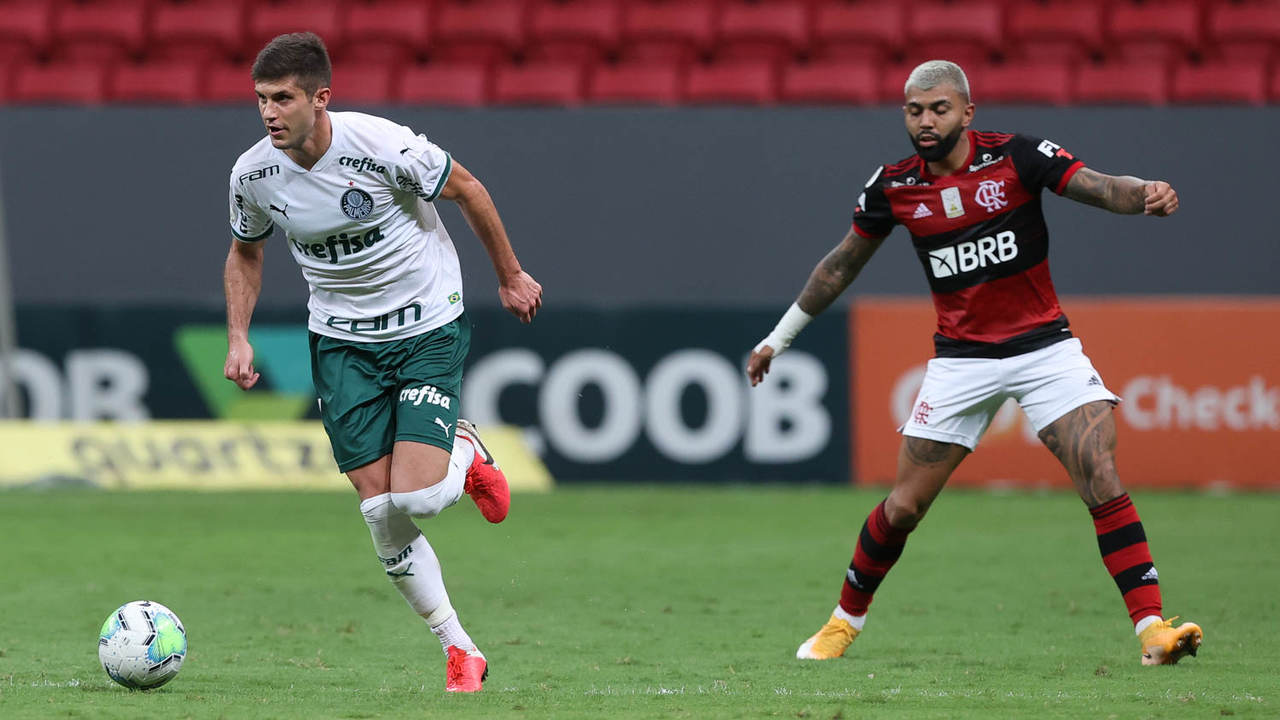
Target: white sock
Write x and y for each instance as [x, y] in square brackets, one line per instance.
[406, 555]
[857, 621]
[1145, 623]
[450, 632]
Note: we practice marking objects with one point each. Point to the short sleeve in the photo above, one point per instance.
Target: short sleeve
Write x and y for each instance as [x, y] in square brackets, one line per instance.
[873, 217]
[1043, 163]
[423, 167]
[249, 222]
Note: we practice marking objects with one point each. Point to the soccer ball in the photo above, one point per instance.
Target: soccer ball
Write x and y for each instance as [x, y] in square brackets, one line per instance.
[142, 645]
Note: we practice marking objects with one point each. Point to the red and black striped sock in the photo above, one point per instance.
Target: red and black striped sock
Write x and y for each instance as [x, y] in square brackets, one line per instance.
[1124, 550]
[879, 547]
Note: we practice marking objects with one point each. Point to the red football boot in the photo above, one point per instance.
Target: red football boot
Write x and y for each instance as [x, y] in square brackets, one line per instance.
[465, 671]
[485, 482]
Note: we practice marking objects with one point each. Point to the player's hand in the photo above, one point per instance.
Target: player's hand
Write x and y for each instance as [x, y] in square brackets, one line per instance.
[521, 295]
[1162, 200]
[758, 364]
[239, 368]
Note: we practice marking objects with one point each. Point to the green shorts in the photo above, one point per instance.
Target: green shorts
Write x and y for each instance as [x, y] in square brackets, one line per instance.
[374, 394]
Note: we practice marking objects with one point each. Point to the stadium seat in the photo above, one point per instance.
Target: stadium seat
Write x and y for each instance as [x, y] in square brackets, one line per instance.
[1156, 32]
[1249, 32]
[485, 31]
[845, 82]
[774, 31]
[269, 20]
[59, 83]
[965, 33]
[1042, 83]
[99, 32]
[361, 84]
[581, 31]
[867, 31]
[228, 83]
[203, 32]
[25, 29]
[175, 83]
[679, 31]
[442, 83]
[546, 83]
[647, 83]
[393, 31]
[1121, 83]
[1063, 30]
[745, 82]
[1238, 82]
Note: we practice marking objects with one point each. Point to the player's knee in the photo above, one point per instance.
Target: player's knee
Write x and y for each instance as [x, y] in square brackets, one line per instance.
[904, 511]
[425, 503]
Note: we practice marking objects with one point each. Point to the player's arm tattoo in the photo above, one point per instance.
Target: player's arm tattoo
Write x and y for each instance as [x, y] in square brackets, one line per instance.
[1084, 440]
[835, 271]
[1123, 194]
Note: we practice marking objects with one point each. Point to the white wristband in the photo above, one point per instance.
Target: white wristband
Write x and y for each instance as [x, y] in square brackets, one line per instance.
[792, 322]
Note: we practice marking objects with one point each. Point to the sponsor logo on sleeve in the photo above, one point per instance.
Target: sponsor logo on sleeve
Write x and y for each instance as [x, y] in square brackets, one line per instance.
[259, 174]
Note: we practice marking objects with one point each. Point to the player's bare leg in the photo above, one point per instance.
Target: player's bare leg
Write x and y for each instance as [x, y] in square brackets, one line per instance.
[923, 468]
[1084, 440]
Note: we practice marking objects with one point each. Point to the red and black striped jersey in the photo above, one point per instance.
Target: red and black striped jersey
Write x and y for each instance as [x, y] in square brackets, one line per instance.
[981, 238]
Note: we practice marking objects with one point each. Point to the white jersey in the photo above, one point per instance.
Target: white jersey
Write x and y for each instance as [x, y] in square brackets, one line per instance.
[361, 225]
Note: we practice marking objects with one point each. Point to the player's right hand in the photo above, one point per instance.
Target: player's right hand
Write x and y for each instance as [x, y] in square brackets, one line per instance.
[758, 364]
[239, 367]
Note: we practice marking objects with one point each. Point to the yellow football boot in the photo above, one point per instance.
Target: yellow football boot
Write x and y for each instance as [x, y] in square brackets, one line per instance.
[1164, 644]
[829, 642]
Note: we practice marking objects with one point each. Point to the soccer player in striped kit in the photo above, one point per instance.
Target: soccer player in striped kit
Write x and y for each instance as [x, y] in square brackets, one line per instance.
[971, 201]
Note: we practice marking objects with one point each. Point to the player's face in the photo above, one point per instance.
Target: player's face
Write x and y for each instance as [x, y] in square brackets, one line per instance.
[935, 120]
[287, 111]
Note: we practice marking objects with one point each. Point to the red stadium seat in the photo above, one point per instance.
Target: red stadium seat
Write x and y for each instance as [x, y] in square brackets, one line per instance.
[871, 31]
[679, 30]
[1244, 32]
[486, 31]
[361, 84]
[965, 33]
[845, 82]
[1159, 32]
[636, 83]
[1064, 30]
[99, 32]
[59, 83]
[1218, 83]
[747, 82]
[204, 32]
[440, 83]
[774, 31]
[174, 83]
[581, 31]
[1041, 83]
[539, 84]
[25, 29]
[392, 31]
[1121, 83]
[229, 83]
[317, 16]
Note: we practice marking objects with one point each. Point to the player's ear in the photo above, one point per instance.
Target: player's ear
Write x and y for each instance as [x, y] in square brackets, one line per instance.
[320, 100]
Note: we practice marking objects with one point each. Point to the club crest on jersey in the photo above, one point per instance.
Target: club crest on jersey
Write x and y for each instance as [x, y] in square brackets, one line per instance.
[357, 204]
[990, 195]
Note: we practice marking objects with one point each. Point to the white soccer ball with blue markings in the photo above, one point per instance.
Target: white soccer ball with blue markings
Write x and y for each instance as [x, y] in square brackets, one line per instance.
[142, 645]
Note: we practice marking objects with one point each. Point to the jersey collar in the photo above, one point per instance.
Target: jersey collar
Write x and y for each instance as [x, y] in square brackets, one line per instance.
[339, 134]
[968, 162]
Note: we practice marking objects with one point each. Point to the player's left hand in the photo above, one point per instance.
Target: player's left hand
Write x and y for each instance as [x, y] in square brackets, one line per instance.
[1161, 200]
[521, 295]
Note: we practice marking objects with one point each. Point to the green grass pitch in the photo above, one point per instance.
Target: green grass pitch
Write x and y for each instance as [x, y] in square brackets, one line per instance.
[661, 602]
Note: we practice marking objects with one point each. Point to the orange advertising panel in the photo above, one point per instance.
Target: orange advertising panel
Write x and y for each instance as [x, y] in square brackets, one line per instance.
[1199, 378]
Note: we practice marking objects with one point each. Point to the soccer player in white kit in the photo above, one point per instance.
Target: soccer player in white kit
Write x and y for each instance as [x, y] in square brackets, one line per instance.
[353, 194]
[971, 201]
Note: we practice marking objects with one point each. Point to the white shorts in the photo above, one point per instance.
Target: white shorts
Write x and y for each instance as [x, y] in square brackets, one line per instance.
[959, 396]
